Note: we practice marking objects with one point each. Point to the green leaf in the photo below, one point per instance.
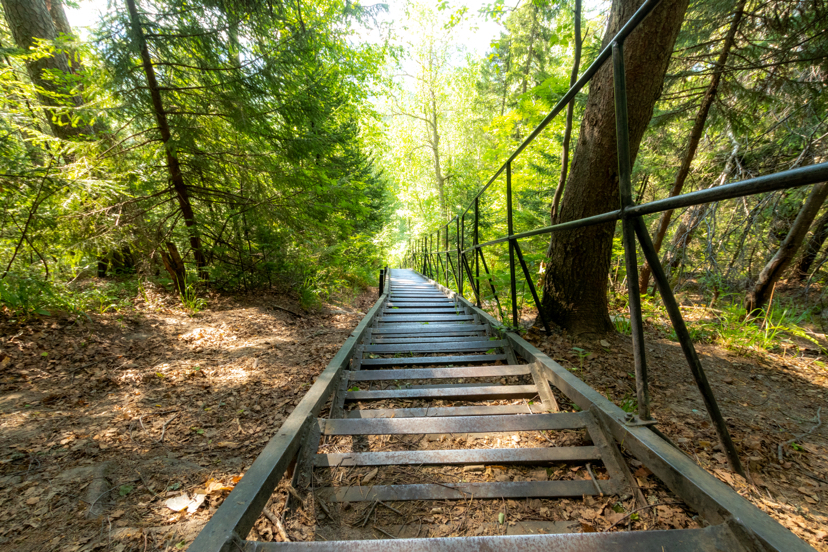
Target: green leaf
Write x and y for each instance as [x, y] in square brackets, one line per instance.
[124, 490]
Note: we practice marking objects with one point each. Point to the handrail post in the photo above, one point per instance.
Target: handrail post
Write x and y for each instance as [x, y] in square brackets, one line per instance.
[476, 241]
[462, 246]
[628, 234]
[458, 268]
[511, 231]
[445, 248]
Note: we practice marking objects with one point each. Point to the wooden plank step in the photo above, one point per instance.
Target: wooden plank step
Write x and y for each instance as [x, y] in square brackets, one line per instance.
[411, 328]
[462, 424]
[439, 373]
[476, 345]
[713, 537]
[496, 410]
[420, 304]
[418, 294]
[382, 340]
[448, 491]
[433, 310]
[427, 361]
[453, 457]
[392, 318]
[403, 342]
[477, 393]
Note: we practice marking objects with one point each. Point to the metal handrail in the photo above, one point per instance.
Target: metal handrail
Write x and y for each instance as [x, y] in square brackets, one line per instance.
[422, 254]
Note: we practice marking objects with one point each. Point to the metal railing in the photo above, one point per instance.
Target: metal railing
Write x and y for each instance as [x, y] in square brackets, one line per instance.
[423, 255]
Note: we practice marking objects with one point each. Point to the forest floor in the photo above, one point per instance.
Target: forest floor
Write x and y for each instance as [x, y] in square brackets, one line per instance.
[129, 409]
[767, 398]
[135, 411]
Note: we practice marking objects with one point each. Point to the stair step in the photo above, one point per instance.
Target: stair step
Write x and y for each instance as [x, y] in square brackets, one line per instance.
[427, 361]
[543, 455]
[439, 373]
[463, 424]
[391, 318]
[477, 393]
[441, 411]
[382, 339]
[447, 329]
[419, 304]
[448, 491]
[431, 310]
[713, 537]
[476, 345]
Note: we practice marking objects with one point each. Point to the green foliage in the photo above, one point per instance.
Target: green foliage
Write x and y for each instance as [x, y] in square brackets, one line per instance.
[26, 295]
[190, 299]
[267, 112]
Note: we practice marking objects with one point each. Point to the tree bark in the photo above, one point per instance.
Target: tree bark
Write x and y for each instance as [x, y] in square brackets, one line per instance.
[30, 20]
[573, 78]
[695, 137]
[757, 296]
[820, 233]
[173, 165]
[59, 19]
[575, 289]
[693, 217]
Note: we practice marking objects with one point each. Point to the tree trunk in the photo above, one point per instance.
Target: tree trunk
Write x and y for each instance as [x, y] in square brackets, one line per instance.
[531, 51]
[575, 289]
[820, 229]
[573, 78]
[59, 19]
[695, 137]
[30, 20]
[173, 165]
[694, 216]
[757, 297]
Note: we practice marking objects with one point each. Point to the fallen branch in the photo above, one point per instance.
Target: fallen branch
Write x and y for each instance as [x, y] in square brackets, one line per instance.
[287, 310]
[277, 523]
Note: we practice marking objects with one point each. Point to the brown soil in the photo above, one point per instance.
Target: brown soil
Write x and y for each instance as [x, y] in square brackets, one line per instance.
[767, 400]
[129, 410]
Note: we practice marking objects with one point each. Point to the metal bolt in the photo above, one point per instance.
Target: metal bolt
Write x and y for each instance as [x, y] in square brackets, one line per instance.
[629, 416]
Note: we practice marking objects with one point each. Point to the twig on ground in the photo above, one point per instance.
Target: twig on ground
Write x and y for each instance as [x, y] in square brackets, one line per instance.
[277, 523]
[594, 480]
[164, 427]
[386, 533]
[645, 508]
[391, 508]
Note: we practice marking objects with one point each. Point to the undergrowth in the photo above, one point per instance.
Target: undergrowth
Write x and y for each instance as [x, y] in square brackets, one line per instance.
[767, 329]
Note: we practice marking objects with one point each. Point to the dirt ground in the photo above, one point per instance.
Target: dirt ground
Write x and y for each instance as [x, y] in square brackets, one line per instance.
[767, 400]
[104, 421]
[109, 425]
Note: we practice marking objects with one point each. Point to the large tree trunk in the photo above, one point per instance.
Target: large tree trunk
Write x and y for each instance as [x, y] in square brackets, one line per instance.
[173, 165]
[30, 20]
[575, 287]
[573, 78]
[695, 137]
[820, 233]
[757, 296]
